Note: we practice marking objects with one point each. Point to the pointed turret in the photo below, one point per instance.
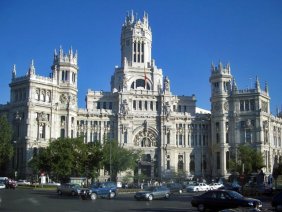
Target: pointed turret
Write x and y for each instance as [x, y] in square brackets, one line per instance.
[31, 70]
[257, 84]
[266, 87]
[220, 67]
[212, 67]
[14, 72]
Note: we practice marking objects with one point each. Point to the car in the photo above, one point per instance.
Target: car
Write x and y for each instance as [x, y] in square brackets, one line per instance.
[175, 188]
[198, 187]
[223, 199]
[232, 186]
[2, 185]
[23, 182]
[153, 192]
[215, 186]
[276, 202]
[69, 189]
[100, 189]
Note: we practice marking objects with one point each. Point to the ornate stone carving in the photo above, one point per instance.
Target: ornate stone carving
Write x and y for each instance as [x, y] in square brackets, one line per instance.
[146, 139]
[167, 110]
[124, 109]
[166, 84]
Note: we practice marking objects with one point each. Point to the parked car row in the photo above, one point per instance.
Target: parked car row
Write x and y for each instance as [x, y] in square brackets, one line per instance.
[211, 199]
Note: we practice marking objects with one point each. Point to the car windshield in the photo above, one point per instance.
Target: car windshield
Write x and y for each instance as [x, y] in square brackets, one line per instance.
[235, 195]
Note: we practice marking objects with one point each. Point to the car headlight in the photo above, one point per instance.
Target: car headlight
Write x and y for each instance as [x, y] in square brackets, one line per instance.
[147, 195]
[250, 203]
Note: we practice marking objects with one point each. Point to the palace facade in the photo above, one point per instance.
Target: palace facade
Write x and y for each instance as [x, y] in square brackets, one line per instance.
[140, 112]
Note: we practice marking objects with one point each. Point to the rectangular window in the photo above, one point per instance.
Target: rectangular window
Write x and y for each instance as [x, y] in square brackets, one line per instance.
[110, 105]
[241, 105]
[185, 108]
[247, 105]
[151, 105]
[157, 105]
[217, 138]
[168, 138]
[146, 105]
[140, 105]
[125, 137]
[180, 140]
[179, 108]
[62, 133]
[98, 105]
[104, 105]
[252, 104]
[134, 104]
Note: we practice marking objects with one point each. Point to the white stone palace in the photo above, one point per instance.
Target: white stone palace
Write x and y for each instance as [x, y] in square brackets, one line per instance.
[140, 112]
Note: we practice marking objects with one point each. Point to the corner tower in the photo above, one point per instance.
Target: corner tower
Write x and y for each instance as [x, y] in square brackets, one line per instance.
[220, 81]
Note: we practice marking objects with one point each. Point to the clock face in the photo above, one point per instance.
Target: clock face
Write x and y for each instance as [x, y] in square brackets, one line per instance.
[138, 31]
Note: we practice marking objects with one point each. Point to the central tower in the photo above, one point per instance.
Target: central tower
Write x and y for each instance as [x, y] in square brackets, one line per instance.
[136, 41]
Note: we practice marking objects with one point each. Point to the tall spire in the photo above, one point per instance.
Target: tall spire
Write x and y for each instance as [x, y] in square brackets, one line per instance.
[31, 70]
[14, 72]
[266, 87]
[257, 85]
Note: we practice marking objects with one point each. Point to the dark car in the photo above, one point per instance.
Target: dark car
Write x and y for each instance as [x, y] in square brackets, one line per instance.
[104, 190]
[150, 193]
[232, 186]
[175, 188]
[69, 189]
[223, 199]
[276, 202]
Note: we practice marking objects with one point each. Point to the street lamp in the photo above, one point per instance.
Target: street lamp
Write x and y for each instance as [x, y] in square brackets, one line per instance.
[110, 161]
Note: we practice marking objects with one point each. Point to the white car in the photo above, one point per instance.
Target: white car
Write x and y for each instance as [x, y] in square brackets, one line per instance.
[23, 182]
[198, 187]
[2, 185]
[215, 186]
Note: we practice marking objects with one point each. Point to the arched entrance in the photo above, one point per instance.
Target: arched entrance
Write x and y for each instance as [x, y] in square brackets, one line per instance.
[146, 139]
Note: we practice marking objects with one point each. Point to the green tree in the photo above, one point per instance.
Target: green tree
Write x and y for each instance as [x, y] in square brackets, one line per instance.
[94, 160]
[117, 158]
[67, 157]
[6, 147]
[249, 160]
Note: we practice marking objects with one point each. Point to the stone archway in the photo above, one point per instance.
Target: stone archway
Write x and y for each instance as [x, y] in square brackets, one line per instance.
[146, 138]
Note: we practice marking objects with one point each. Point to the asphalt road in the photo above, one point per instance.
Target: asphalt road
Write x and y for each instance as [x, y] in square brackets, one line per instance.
[27, 200]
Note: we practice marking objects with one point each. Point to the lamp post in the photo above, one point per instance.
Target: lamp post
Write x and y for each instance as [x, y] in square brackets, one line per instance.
[110, 161]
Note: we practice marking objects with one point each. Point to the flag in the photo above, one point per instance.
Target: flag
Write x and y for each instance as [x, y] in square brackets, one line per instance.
[145, 78]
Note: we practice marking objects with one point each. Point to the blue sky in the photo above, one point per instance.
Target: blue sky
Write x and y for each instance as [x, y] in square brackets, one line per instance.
[187, 36]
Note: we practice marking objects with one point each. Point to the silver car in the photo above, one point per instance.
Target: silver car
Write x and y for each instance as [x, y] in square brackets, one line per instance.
[69, 189]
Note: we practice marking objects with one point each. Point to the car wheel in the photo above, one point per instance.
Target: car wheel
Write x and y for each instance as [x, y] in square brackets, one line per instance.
[93, 196]
[180, 191]
[201, 207]
[150, 197]
[112, 195]
[167, 195]
[278, 208]
[60, 192]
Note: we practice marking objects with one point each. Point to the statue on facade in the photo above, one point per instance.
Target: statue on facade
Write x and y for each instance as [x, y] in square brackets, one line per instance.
[166, 84]
[167, 110]
[124, 108]
[125, 80]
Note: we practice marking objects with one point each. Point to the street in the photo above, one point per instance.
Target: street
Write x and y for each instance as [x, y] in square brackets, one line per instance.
[40, 200]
